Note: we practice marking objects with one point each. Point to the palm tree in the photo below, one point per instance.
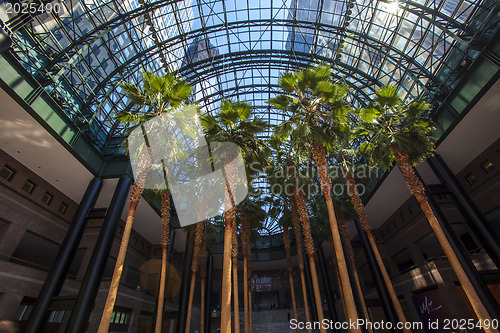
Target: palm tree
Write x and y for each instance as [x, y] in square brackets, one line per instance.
[404, 133]
[159, 94]
[233, 124]
[203, 276]
[165, 233]
[279, 179]
[210, 237]
[308, 241]
[251, 215]
[317, 114]
[234, 259]
[347, 239]
[343, 210]
[286, 241]
[363, 218]
[198, 249]
[347, 154]
[300, 256]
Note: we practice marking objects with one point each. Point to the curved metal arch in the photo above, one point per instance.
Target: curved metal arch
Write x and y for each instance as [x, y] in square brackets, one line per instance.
[223, 58]
[212, 72]
[236, 93]
[110, 24]
[360, 38]
[146, 8]
[221, 27]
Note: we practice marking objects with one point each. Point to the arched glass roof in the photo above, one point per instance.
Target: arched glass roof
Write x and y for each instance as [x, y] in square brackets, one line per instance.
[237, 49]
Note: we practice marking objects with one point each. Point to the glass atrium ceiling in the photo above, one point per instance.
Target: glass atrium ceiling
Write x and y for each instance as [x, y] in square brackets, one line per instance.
[237, 49]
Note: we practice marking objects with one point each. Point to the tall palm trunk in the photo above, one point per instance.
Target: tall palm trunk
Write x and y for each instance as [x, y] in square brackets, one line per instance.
[336, 269]
[250, 304]
[345, 233]
[300, 256]
[326, 186]
[286, 241]
[236, 303]
[203, 274]
[165, 232]
[229, 219]
[226, 275]
[245, 243]
[363, 218]
[309, 245]
[135, 199]
[200, 228]
[417, 189]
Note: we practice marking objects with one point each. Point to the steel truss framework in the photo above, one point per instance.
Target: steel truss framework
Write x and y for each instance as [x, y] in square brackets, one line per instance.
[80, 54]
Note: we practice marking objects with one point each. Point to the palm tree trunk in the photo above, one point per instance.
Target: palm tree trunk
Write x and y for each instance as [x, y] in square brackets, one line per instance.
[200, 228]
[226, 274]
[230, 220]
[203, 271]
[300, 257]
[165, 231]
[336, 269]
[417, 189]
[245, 242]
[326, 186]
[235, 282]
[249, 277]
[309, 245]
[286, 241]
[345, 233]
[363, 218]
[190, 302]
[202, 305]
[246, 299]
[135, 199]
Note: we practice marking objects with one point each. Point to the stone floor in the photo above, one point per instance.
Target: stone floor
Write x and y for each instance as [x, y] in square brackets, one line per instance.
[275, 321]
[270, 321]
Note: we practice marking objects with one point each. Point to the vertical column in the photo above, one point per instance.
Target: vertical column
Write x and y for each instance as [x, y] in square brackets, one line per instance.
[326, 282]
[65, 256]
[470, 270]
[376, 274]
[472, 214]
[186, 281]
[208, 292]
[90, 285]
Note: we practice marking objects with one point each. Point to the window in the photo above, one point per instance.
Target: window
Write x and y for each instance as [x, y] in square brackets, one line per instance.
[403, 260]
[430, 247]
[471, 179]
[409, 210]
[24, 309]
[47, 198]
[56, 316]
[7, 173]
[28, 187]
[133, 277]
[35, 251]
[119, 320]
[487, 166]
[62, 208]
